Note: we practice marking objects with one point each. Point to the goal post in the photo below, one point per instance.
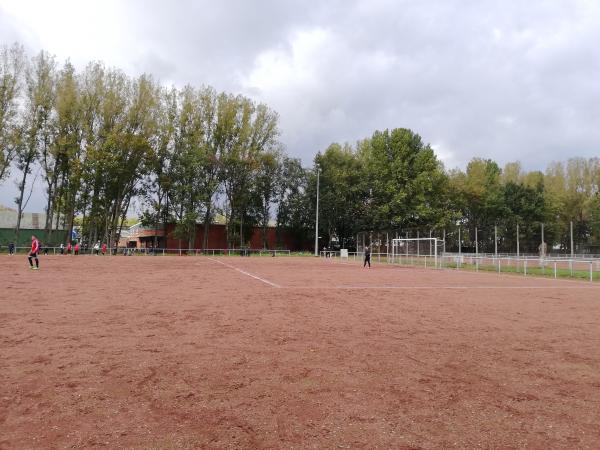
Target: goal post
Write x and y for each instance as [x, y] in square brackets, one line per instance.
[427, 252]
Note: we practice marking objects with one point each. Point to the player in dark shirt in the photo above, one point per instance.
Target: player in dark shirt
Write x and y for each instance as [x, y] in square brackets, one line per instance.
[367, 257]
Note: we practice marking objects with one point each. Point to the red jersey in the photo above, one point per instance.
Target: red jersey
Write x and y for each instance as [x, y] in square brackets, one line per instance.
[35, 246]
[103, 248]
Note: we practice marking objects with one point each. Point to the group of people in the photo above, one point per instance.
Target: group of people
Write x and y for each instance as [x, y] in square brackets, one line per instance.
[75, 249]
[70, 248]
[36, 248]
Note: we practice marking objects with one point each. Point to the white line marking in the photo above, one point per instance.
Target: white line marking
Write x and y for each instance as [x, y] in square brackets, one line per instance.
[443, 287]
[247, 273]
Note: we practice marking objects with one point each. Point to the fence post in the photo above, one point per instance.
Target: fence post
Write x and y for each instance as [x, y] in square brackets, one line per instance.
[554, 269]
[591, 273]
[525, 269]
[476, 244]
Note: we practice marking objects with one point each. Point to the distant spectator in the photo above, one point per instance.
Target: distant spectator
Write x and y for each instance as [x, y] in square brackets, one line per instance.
[97, 248]
[62, 248]
[11, 248]
[103, 249]
[69, 248]
[76, 248]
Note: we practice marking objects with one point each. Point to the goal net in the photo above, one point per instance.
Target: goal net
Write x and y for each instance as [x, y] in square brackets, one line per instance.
[425, 252]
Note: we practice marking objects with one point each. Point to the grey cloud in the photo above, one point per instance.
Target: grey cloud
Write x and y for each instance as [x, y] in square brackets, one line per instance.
[506, 80]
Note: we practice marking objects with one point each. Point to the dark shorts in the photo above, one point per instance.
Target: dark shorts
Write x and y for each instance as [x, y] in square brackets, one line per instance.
[33, 255]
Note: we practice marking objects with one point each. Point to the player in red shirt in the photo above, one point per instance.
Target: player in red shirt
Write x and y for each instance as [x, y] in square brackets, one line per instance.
[103, 249]
[33, 254]
[69, 248]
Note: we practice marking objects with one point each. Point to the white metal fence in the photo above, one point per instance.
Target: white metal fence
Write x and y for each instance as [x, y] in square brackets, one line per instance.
[581, 267]
[123, 251]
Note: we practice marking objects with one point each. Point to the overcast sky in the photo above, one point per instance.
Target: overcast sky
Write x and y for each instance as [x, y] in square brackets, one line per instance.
[507, 79]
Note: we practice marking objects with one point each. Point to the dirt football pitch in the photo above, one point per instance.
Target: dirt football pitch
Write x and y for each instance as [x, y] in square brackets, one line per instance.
[195, 352]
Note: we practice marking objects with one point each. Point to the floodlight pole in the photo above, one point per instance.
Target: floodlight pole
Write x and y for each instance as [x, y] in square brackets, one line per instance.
[572, 247]
[495, 241]
[518, 241]
[543, 252]
[317, 216]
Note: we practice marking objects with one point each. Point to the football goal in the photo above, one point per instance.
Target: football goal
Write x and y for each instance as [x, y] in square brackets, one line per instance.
[427, 252]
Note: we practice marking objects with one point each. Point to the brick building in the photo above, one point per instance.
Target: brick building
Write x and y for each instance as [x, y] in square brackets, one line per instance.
[144, 237]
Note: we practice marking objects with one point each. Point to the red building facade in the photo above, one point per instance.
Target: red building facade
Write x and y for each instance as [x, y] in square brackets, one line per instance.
[217, 238]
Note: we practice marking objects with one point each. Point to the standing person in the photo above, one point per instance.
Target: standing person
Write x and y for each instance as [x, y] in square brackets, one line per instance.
[69, 248]
[33, 254]
[97, 248]
[367, 256]
[11, 249]
[103, 249]
[76, 248]
[62, 248]
[45, 249]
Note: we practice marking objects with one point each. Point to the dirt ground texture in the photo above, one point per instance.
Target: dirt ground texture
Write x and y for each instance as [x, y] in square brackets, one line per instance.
[196, 352]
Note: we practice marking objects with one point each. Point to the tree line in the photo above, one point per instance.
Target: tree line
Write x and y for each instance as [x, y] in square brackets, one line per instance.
[101, 140]
[394, 182]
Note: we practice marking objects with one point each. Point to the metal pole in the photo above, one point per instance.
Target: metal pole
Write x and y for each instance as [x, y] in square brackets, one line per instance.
[572, 249]
[476, 244]
[543, 249]
[459, 243]
[436, 255]
[495, 241]
[444, 241]
[518, 249]
[317, 217]
[517, 242]
[429, 242]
